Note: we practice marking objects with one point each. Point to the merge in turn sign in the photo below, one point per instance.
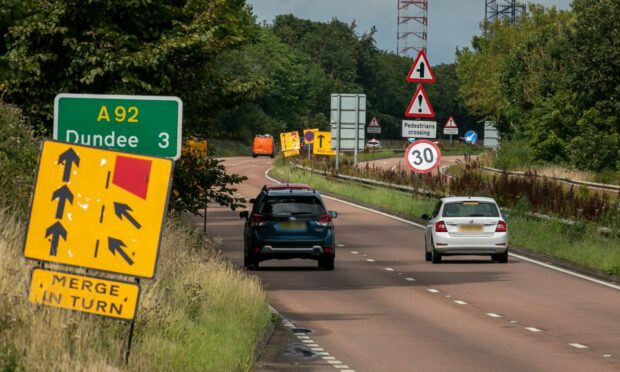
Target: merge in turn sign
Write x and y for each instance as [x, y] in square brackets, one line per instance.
[98, 209]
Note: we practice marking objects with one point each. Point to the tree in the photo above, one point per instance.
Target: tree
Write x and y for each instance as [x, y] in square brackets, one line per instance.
[159, 47]
[18, 158]
[200, 179]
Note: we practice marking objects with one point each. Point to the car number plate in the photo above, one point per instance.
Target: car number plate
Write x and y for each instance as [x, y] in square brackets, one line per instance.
[470, 228]
[293, 225]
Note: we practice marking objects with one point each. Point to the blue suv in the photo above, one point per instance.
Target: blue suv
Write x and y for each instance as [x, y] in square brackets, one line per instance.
[289, 221]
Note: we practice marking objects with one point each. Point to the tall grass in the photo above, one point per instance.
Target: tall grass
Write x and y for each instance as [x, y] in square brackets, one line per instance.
[200, 313]
[543, 195]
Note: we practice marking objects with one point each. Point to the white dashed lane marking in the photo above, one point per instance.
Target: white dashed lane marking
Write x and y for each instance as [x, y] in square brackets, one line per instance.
[579, 346]
[337, 364]
[312, 345]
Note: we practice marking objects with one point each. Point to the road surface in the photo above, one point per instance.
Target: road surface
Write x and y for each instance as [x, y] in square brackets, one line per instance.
[385, 308]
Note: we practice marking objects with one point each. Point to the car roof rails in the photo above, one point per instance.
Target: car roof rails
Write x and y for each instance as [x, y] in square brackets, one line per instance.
[289, 186]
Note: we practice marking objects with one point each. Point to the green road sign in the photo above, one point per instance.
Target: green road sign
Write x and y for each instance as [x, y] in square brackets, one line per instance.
[147, 125]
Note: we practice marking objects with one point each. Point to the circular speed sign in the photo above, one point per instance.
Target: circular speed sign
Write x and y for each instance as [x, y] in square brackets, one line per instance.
[422, 156]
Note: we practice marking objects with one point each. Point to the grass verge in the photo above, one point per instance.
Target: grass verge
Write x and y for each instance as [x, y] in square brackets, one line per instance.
[579, 243]
[200, 313]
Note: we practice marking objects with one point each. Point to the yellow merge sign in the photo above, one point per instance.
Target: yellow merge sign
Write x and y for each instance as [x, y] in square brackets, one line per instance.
[323, 144]
[82, 293]
[98, 209]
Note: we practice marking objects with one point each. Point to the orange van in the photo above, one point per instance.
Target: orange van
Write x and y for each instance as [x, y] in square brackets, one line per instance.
[263, 145]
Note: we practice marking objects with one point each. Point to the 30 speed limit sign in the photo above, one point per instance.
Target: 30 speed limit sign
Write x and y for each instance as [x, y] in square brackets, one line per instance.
[422, 156]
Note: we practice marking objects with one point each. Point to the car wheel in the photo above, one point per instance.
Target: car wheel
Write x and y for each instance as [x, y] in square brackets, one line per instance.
[250, 263]
[326, 263]
[435, 256]
[427, 255]
[501, 257]
[254, 155]
[273, 155]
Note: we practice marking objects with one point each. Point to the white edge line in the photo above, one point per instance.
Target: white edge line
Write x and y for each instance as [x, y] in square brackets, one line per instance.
[581, 276]
[549, 266]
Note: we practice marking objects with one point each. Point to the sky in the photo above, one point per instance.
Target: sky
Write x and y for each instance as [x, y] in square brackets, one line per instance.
[451, 24]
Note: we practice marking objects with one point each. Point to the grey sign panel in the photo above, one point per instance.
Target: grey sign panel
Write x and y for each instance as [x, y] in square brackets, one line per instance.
[348, 113]
[348, 117]
[375, 130]
[348, 138]
[491, 135]
[349, 101]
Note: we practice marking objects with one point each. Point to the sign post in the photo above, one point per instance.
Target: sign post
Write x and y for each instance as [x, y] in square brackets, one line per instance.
[147, 125]
[450, 128]
[373, 127]
[348, 121]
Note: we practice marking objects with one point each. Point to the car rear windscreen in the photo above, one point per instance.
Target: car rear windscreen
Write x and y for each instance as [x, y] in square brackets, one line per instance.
[294, 205]
[470, 209]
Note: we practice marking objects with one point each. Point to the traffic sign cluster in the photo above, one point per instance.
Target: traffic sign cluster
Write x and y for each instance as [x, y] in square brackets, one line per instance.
[421, 156]
[100, 209]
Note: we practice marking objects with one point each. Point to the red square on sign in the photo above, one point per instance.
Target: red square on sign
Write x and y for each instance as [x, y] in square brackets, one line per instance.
[132, 175]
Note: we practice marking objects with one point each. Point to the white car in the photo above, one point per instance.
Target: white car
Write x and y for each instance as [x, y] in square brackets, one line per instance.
[373, 144]
[466, 226]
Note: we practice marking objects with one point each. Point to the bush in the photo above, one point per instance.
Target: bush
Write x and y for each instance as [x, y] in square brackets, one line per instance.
[18, 157]
[513, 154]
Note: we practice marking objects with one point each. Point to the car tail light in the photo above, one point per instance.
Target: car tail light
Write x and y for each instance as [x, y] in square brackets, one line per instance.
[440, 227]
[324, 220]
[257, 249]
[258, 219]
[328, 250]
[501, 226]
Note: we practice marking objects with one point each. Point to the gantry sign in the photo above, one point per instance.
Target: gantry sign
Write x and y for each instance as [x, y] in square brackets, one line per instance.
[98, 209]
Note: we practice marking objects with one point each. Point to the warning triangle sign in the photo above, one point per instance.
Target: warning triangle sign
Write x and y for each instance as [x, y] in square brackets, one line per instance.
[374, 122]
[421, 71]
[420, 106]
[450, 123]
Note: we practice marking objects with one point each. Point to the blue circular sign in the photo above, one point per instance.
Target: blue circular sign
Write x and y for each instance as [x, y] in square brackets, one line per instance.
[471, 137]
[309, 136]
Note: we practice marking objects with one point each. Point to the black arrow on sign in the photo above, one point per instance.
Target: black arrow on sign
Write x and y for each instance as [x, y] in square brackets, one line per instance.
[421, 70]
[321, 140]
[115, 245]
[68, 158]
[121, 210]
[63, 195]
[57, 231]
